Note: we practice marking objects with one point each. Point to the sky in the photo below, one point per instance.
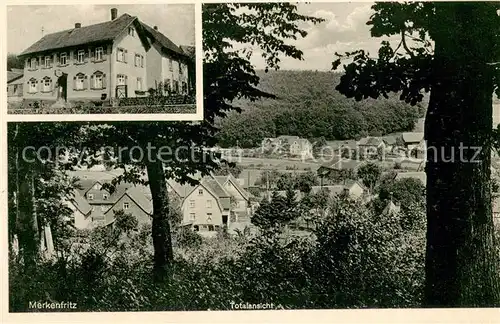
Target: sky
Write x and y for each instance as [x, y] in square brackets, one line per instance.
[344, 29]
[176, 21]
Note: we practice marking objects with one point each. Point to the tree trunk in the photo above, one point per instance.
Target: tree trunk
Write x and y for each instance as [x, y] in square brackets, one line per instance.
[162, 240]
[27, 223]
[461, 262]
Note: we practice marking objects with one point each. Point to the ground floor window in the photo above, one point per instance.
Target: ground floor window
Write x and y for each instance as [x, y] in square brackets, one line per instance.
[79, 81]
[98, 80]
[139, 84]
[121, 79]
[47, 84]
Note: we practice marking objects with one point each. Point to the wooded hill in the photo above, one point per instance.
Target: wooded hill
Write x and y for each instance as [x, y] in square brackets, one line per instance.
[307, 105]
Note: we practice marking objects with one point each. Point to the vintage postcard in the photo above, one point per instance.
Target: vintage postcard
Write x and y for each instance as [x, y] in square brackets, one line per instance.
[346, 164]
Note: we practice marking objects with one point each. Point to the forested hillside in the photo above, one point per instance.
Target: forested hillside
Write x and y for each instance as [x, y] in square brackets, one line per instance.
[309, 106]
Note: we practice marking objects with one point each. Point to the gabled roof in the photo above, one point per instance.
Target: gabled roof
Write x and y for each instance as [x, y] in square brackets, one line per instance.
[338, 163]
[413, 137]
[13, 75]
[283, 193]
[230, 178]
[137, 194]
[391, 208]
[106, 31]
[163, 40]
[80, 203]
[370, 141]
[183, 190]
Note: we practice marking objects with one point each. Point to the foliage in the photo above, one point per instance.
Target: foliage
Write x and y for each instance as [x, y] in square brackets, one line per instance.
[370, 174]
[13, 62]
[227, 168]
[406, 192]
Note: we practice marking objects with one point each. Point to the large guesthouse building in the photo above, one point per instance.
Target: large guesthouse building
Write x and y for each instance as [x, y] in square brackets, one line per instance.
[119, 58]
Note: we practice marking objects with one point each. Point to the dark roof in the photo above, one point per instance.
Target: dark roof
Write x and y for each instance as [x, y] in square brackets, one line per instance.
[11, 76]
[105, 31]
[163, 40]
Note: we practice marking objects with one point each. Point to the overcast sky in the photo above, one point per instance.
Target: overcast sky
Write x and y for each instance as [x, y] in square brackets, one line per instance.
[24, 23]
[344, 29]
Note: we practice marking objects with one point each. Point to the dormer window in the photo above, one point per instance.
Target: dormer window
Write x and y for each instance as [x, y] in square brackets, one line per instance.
[126, 205]
[131, 31]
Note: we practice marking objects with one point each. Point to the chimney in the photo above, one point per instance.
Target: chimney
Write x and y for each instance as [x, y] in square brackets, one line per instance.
[78, 25]
[155, 27]
[114, 13]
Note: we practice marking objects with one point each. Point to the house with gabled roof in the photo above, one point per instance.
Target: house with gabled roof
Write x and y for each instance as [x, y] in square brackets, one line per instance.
[134, 201]
[15, 83]
[119, 58]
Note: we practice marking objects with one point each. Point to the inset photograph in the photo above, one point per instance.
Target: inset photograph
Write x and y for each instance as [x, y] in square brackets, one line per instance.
[101, 59]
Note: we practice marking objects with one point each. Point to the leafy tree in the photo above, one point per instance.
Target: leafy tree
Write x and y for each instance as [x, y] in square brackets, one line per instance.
[370, 174]
[285, 181]
[305, 181]
[13, 62]
[277, 211]
[453, 56]
[227, 168]
[405, 192]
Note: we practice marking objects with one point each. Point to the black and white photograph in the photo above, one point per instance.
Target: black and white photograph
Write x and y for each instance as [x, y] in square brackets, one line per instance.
[101, 59]
[347, 159]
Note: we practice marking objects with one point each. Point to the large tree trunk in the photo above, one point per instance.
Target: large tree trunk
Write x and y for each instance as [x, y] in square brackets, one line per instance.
[461, 262]
[27, 223]
[162, 240]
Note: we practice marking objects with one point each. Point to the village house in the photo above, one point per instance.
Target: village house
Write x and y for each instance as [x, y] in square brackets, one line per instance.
[339, 167]
[120, 58]
[414, 144]
[15, 83]
[352, 189]
[421, 176]
[371, 146]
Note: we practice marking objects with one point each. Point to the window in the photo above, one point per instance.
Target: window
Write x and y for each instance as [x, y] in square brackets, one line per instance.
[97, 186]
[34, 63]
[63, 59]
[46, 62]
[99, 54]
[139, 83]
[80, 58]
[80, 81]
[126, 205]
[131, 31]
[209, 203]
[121, 79]
[191, 203]
[47, 84]
[210, 228]
[196, 228]
[192, 216]
[121, 55]
[217, 227]
[170, 65]
[209, 217]
[180, 69]
[32, 83]
[200, 192]
[166, 85]
[90, 196]
[138, 60]
[105, 196]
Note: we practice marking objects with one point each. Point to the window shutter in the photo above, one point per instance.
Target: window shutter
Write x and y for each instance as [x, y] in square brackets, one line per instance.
[56, 59]
[104, 81]
[126, 80]
[89, 55]
[125, 56]
[37, 86]
[74, 82]
[92, 81]
[86, 83]
[104, 52]
[142, 61]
